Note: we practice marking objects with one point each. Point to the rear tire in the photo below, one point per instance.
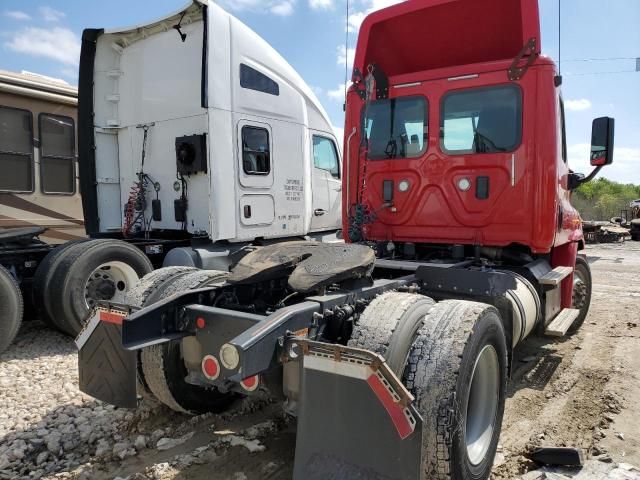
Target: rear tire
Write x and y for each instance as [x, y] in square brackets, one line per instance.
[40, 293]
[389, 325]
[11, 308]
[162, 366]
[457, 371]
[89, 272]
[137, 297]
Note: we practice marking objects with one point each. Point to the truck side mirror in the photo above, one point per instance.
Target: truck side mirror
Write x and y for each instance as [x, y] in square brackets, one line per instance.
[602, 134]
[601, 150]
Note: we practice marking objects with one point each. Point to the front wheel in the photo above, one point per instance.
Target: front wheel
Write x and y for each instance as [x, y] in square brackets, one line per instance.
[581, 295]
[457, 371]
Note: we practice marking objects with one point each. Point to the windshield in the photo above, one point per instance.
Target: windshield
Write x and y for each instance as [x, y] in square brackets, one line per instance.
[482, 120]
[396, 128]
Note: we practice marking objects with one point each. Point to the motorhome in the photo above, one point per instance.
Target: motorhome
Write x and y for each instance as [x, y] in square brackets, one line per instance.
[39, 182]
[40, 202]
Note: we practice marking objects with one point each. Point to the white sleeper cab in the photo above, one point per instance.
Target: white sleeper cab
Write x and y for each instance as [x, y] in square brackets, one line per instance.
[196, 139]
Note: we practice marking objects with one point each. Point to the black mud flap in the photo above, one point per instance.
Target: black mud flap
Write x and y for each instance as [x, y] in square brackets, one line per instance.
[107, 371]
[356, 420]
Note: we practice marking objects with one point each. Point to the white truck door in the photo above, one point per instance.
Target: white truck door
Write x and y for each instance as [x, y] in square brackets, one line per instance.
[257, 206]
[327, 185]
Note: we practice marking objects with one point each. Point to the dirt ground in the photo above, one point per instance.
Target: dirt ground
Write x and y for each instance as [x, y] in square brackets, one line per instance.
[582, 391]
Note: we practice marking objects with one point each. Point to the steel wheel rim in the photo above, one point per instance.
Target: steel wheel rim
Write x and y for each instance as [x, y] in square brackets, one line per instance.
[109, 282]
[482, 405]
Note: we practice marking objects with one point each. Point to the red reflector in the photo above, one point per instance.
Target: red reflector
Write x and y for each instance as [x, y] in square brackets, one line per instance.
[200, 323]
[394, 409]
[210, 367]
[111, 317]
[251, 383]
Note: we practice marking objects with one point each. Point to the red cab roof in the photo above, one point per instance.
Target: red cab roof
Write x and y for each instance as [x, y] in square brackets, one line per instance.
[419, 35]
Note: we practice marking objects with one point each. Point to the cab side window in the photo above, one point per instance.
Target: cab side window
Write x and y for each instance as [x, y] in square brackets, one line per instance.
[564, 131]
[16, 150]
[57, 157]
[252, 79]
[325, 155]
[256, 157]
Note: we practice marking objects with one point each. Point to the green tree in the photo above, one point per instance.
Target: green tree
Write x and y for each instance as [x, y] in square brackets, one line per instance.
[602, 199]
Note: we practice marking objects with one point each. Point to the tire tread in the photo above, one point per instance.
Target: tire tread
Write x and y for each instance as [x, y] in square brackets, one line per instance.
[432, 374]
[9, 327]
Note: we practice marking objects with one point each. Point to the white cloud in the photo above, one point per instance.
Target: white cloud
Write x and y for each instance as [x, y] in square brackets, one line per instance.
[577, 105]
[17, 15]
[277, 7]
[58, 43]
[283, 9]
[70, 73]
[51, 14]
[355, 19]
[321, 4]
[337, 94]
[624, 168]
[345, 58]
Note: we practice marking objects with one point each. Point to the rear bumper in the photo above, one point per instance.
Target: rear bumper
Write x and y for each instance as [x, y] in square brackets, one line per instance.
[355, 417]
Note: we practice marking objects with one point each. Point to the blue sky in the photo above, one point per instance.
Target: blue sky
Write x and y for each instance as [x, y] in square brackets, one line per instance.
[43, 37]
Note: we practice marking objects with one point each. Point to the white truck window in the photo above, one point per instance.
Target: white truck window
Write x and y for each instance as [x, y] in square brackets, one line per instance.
[57, 147]
[16, 150]
[325, 155]
[256, 157]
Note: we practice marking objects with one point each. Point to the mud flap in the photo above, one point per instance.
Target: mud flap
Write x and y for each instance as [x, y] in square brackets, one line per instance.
[107, 371]
[356, 419]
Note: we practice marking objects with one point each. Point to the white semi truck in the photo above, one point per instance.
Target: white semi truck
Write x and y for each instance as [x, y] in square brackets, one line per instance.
[195, 139]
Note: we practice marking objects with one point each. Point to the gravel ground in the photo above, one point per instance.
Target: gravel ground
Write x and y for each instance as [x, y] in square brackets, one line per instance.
[583, 391]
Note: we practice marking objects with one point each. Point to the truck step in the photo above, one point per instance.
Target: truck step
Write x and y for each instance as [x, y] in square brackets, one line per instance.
[559, 325]
[555, 276]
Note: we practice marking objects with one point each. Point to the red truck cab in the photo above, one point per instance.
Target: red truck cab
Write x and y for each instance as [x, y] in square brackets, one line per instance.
[455, 133]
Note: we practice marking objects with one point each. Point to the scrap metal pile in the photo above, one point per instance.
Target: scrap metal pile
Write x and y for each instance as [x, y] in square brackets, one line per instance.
[605, 232]
[617, 229]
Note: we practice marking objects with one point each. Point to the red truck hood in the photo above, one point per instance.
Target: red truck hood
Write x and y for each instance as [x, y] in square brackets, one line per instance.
[420, 35]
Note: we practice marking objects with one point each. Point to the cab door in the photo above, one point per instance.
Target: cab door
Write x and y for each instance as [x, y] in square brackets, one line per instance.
[256, 174]
[326, 183]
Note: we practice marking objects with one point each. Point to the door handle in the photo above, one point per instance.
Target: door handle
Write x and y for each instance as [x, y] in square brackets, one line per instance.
[338, 189]
[318, 212]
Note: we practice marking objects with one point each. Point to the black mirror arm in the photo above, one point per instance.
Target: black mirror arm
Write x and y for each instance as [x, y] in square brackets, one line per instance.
[577, 179]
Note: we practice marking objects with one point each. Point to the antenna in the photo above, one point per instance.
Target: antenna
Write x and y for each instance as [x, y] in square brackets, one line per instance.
[559, 37]
[346, 57]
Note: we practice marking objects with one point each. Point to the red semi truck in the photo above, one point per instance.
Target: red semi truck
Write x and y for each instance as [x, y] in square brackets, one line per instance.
[394, 349]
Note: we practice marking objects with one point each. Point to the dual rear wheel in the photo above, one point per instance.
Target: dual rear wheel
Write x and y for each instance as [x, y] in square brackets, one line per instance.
[452, 356]
[74, 276]
[162, 372]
